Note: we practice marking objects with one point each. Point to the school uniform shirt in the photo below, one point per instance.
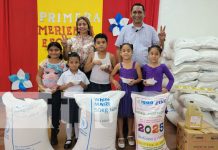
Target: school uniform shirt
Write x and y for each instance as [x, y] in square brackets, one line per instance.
[67, 77]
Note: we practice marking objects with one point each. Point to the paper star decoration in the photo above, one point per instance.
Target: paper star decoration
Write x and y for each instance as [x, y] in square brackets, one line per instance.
[117, 23]
[20, 81]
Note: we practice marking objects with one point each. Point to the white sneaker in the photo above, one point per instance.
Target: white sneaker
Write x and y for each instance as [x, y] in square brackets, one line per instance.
[121, 142]
[131, 140]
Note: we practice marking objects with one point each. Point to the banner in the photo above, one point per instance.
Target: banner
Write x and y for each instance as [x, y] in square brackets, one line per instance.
[58, 17]
[29, 26]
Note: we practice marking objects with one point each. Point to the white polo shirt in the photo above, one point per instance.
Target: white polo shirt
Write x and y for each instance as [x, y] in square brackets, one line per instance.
[67, 77]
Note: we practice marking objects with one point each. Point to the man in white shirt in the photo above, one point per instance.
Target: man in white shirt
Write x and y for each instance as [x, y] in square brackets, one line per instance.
[140, 35]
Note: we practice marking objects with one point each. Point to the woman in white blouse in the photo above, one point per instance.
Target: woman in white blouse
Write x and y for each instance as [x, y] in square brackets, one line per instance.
[82, 43]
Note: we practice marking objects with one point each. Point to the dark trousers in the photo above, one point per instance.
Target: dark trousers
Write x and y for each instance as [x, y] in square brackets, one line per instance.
[94, 87]
[55, 102]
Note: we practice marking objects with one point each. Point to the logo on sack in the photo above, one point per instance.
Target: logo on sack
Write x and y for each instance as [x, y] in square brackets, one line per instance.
[84, 124]
[147, 102]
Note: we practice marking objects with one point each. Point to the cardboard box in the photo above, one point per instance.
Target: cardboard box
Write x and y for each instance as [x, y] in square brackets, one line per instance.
[204, 139]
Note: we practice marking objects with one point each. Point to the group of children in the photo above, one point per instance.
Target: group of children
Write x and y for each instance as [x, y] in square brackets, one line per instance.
[54, 76]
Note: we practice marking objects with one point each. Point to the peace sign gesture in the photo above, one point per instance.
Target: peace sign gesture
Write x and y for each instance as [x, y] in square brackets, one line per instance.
[64, 41]
[162, 34]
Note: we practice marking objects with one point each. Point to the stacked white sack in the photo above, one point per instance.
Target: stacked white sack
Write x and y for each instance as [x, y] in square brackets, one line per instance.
[195, 64]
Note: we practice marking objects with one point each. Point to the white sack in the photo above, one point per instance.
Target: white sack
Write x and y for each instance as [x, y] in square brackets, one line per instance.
[208, 76]
[185, 67]
[204, 102]
[186, 76]
[98, 121]
[26, 124]
[186, 55]
[149, 121]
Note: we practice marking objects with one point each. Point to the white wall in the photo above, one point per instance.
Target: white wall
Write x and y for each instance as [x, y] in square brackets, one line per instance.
[189, 18]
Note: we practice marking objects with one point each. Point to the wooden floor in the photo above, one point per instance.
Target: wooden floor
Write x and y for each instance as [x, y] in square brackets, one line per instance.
[170, 134]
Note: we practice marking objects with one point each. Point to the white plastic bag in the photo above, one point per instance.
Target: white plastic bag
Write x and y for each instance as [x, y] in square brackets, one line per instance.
[172, 115]
[186, 76]
[26, 124]
[214, 115]
[208, 76]
[168, 53]
[208, 66]
[186, 55]
[180, 109]
[204, 102]
[208, 42]
[150, 81]
[212, 85]
[149, 121]
[184, 43]
[209, 56]
[209, 119]
[98, 120]
[185, 67]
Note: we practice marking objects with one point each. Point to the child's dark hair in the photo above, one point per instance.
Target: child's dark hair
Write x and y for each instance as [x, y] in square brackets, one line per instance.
[100, 36]
[70, 55]
[130, 45]
[157, 47]
[73, 54]
[56, 44]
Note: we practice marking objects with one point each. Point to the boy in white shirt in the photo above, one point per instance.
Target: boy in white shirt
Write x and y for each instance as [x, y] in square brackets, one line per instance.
[72, 81]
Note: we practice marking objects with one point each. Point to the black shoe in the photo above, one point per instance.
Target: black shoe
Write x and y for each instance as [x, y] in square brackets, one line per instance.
[68, 144]
[75, 140]
[54, 138]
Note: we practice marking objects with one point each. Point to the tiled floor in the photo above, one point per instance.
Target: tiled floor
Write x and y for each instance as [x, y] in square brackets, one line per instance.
[170, 134]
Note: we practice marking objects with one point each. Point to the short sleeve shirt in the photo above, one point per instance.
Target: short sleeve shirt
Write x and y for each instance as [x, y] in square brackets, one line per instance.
[141, 39]
[83, 46]
[68, 76]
